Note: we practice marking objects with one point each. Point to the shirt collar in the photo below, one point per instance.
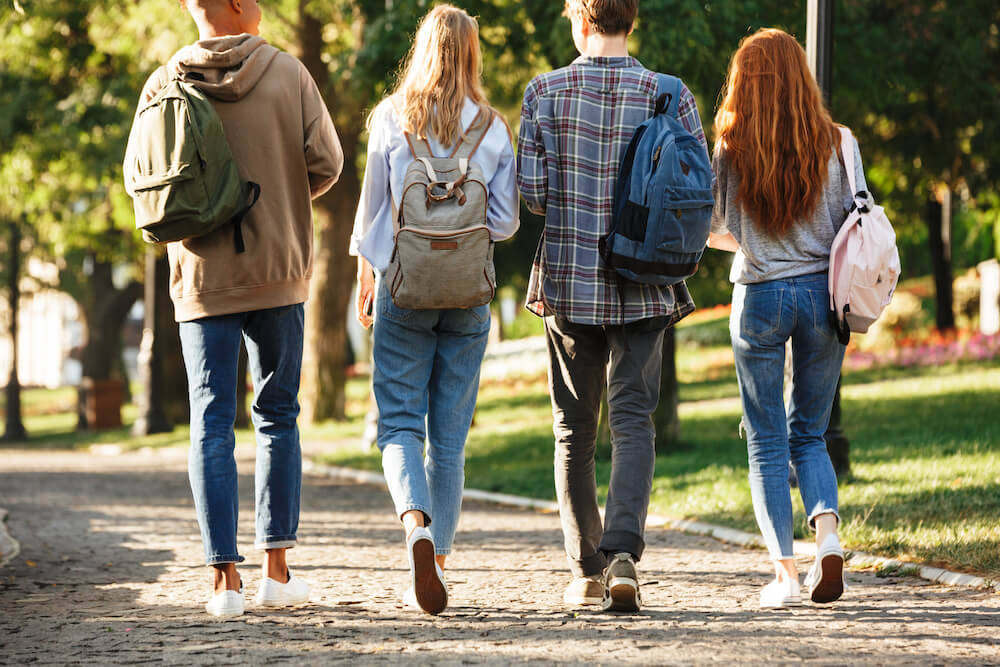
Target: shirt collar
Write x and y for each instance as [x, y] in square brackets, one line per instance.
[608, 61]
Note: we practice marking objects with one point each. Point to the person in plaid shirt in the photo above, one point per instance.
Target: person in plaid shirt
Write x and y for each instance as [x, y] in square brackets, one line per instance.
[576, 124]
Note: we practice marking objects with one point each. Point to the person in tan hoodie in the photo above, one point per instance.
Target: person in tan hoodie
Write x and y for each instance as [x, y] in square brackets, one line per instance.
[282, 137]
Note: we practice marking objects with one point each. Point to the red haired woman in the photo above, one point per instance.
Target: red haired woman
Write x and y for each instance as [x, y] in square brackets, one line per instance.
[781, 196]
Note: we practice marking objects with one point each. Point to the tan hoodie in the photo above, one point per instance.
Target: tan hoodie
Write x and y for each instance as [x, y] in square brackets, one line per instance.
[282, 137]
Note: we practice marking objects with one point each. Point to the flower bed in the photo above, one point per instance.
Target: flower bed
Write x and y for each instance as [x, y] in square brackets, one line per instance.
[935, 350]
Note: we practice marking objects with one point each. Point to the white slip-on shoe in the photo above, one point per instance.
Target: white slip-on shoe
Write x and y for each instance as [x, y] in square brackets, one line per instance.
[780, 594]
[276, 594]
[825, 580]
[428, 580]
[226, 603]
[410, 599]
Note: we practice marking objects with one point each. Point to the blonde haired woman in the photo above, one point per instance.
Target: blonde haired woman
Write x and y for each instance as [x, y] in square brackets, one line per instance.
[426, 374]
[781, 195]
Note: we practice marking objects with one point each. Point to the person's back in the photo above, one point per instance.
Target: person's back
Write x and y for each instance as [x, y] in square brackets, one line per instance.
[427, 356]
[778, 200]
[280, 136]
[577, 121]
[576, 124]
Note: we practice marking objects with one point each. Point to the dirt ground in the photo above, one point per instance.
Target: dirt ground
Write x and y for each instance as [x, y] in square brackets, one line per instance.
[111, 572]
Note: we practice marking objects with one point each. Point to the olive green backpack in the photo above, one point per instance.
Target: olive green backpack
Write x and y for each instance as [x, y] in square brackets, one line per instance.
[180, 171]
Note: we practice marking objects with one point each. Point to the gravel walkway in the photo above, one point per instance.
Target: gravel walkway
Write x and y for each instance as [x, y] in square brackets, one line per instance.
[110, 572]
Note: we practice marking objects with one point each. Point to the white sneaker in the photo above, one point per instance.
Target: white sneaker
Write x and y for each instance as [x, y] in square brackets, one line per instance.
[410, 599]
[276, 594]
[428, 580]
[226, 603]
[825, 580]
[780, 594]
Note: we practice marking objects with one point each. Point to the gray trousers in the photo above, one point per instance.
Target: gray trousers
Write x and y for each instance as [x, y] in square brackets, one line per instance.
[582, 358]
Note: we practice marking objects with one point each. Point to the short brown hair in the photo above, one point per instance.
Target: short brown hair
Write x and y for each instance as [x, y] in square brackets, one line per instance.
[609, 17]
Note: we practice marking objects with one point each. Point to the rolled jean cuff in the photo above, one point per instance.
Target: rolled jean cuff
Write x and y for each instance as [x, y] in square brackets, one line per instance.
[617, 541]
[225, 558]
[403, 509]
[281, 542]
[438, 551]
[589, 566]
[812, 517]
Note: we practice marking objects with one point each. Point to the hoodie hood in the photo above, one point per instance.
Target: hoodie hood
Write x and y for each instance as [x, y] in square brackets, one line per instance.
[230, 66]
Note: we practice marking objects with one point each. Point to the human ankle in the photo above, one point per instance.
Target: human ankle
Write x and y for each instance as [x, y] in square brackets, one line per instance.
[275, 566]
[226, 577]
[826, 525]
[412, 520]
[786, 570]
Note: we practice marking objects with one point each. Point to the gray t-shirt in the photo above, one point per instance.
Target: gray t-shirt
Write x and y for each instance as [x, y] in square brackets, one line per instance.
[805, 248]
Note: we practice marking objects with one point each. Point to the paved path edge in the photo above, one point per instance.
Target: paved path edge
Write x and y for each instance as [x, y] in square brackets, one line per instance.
[9, 547]
[856, 559]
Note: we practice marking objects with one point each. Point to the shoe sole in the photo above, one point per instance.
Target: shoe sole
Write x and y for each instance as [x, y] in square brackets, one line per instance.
[785, 604]
[431, 594]
[582, 602]
[623, 595]
[261, 602]
[831, 580]
[224, 613]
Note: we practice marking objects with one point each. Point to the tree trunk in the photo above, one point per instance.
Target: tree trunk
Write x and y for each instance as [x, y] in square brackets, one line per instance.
[13, 424]
[152, 417]
[175, 388]
[324, 356]
[105, 309]
[837, 444]
[665, 419]
[939, 239]
[242, 415]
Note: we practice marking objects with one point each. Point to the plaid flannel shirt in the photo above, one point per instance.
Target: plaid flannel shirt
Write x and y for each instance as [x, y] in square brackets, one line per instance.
[576, 124]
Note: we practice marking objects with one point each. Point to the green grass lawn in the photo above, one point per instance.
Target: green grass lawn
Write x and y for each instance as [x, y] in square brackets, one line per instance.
[925, 450]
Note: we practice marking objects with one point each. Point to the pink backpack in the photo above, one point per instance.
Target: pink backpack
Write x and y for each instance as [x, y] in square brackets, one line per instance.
[864, 261]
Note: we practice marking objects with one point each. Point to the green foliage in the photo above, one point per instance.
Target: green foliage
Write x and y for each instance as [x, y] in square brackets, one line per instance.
[918, 86]
[925, 459]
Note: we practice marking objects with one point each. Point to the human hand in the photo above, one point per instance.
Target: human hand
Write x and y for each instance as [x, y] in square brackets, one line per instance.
[366, 293]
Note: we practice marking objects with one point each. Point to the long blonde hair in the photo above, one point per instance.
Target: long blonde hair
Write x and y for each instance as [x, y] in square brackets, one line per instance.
[444, 68]
[776, 131]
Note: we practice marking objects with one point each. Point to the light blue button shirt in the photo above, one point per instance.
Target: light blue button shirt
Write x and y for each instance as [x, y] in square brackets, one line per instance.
[388, 158]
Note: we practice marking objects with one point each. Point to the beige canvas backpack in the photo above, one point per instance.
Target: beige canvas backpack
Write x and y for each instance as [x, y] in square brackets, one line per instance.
[443, 254]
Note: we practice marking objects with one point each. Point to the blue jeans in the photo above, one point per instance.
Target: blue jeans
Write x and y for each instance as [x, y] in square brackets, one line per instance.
[764, 316]
[426, 380]
[211, 348]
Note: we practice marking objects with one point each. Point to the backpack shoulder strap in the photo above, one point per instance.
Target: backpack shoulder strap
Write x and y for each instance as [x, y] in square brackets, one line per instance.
[668, 94]
[469, 143]
[847, 153]
[420, 148]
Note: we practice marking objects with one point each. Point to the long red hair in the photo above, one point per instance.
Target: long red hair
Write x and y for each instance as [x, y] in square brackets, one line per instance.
[777, 133]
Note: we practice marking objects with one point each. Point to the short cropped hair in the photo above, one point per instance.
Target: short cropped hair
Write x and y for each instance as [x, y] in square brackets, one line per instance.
[609, 17]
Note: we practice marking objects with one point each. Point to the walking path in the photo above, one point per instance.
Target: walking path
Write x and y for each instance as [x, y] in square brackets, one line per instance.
[110, 572]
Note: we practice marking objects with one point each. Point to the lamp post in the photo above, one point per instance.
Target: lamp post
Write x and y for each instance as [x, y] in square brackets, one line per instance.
[819, 49]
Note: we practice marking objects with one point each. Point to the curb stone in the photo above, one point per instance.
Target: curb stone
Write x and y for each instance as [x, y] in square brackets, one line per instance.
[9, 547]
[856, 559]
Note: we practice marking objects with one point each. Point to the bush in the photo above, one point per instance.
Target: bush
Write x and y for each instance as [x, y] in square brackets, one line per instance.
[904, 317]
[965, 293]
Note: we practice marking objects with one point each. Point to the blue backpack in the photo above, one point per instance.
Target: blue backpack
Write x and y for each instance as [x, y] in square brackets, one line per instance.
[663, 198]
